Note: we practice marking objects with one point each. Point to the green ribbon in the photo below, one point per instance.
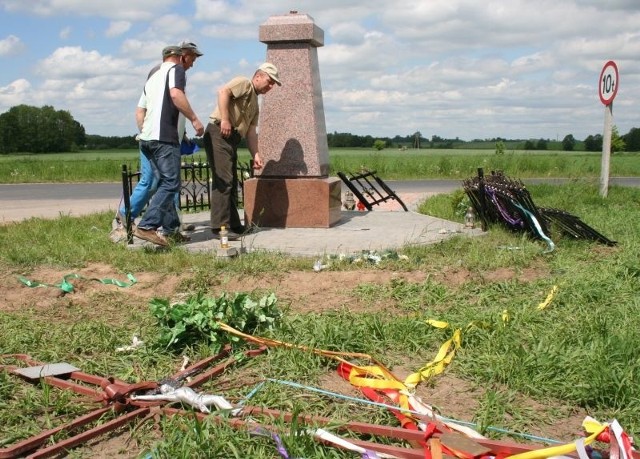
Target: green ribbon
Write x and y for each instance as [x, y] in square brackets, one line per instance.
[550, 245]
[67, 287]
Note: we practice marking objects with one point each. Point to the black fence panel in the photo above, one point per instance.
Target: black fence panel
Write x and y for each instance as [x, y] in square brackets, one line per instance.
[195, 187]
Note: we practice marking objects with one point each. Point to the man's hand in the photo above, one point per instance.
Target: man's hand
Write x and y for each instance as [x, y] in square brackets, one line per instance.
[257, 161]
[225, 128]
[198, 127]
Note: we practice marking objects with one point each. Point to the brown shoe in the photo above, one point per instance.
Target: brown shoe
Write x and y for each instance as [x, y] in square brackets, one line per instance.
[151, 235]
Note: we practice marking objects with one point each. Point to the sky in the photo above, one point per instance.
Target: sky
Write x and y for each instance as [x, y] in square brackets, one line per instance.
[468, 69]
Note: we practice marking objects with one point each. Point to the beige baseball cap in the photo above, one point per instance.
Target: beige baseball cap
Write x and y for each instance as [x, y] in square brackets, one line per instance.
[272, 71]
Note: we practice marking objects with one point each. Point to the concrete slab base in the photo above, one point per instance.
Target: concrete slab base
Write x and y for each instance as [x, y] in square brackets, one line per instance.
[292, 202]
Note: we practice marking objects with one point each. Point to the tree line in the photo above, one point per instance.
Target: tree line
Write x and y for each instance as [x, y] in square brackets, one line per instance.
[28, 129]
[39, 130]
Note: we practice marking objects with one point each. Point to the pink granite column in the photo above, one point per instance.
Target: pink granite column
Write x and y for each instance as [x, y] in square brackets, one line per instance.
[293, 189]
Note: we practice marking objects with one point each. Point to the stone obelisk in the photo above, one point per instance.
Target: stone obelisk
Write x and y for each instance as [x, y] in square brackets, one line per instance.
[293, 189]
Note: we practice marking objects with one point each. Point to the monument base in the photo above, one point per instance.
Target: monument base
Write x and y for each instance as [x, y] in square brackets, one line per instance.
[292, 202]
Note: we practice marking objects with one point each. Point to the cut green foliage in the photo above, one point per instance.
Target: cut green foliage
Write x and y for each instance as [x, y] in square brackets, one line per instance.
[197, 320]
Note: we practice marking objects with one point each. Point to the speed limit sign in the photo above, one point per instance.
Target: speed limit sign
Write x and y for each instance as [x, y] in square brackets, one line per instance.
[608, 84]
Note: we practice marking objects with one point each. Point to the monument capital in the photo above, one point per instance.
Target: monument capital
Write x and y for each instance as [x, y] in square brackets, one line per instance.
[293, 27]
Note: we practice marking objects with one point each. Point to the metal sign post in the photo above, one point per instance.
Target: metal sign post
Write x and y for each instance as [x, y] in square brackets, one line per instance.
[607, 90]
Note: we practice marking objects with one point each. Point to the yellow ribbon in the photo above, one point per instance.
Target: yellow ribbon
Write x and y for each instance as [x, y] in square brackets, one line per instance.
[593, 427]
[506, 317]
[339, 356]
[550, 296]
[441, 360]
[375, 376]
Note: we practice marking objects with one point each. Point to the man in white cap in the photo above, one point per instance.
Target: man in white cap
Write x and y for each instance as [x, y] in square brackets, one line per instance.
[235, 117]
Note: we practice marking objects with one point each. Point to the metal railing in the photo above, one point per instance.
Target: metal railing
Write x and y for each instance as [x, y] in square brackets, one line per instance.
[195, 188]
[369, 189]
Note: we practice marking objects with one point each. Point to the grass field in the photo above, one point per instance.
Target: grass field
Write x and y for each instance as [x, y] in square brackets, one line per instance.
[520, 370]
[105, 166]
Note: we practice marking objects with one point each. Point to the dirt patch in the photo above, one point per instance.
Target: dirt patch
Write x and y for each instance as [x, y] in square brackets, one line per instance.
[507, 274]
[302, 291]
[88, 289]
[310, 291]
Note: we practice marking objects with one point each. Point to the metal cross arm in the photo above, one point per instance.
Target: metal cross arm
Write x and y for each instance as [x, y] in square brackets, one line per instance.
[369, 189]
[123, 402]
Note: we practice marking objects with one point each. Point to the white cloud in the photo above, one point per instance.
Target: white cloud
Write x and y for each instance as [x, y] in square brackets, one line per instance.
[115, 9]
[14, 93]
[144, 49]
[508, 68]
[228, 12]
[162, 31]
[117, 28]
[630, 5]
[74, 62]
[348, 33]
[171, 26]
[11, 46]
[96, 89]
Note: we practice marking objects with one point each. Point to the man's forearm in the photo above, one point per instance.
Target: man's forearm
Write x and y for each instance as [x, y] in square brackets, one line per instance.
[224, 100]
[182, 104]
[252, 141]
[140, 113]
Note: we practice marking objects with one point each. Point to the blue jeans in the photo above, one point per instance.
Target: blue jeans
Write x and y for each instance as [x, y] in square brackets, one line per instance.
[144, 189]
[165, 164]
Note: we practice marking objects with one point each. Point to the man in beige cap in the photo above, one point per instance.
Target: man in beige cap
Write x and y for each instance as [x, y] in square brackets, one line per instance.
[235, 117]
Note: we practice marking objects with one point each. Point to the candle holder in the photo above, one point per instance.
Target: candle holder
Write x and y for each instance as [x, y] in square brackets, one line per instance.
[470, 218]
[349, 201]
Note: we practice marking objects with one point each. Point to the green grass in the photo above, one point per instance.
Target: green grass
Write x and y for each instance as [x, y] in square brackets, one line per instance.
[579, 353]
[390, 164]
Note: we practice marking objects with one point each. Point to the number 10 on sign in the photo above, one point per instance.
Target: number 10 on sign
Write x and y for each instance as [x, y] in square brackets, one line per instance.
[608, 84]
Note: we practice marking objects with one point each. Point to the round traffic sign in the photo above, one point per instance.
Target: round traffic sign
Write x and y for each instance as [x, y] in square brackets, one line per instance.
[608, 83]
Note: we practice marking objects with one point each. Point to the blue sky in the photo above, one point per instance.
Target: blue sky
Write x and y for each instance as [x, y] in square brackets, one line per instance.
[453, 68]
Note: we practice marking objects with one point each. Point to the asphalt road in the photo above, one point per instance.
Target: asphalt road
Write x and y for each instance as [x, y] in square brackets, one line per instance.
[49, 200]
[93, 191]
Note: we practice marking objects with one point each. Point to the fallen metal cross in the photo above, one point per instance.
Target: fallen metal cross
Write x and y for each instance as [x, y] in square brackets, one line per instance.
[117, 398]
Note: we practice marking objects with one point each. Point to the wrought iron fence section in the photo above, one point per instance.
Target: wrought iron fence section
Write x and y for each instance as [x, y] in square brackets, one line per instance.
[196, 181]
[194, 190]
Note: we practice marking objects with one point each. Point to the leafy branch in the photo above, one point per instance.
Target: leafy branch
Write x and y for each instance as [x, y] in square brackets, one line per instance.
[198, 319]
